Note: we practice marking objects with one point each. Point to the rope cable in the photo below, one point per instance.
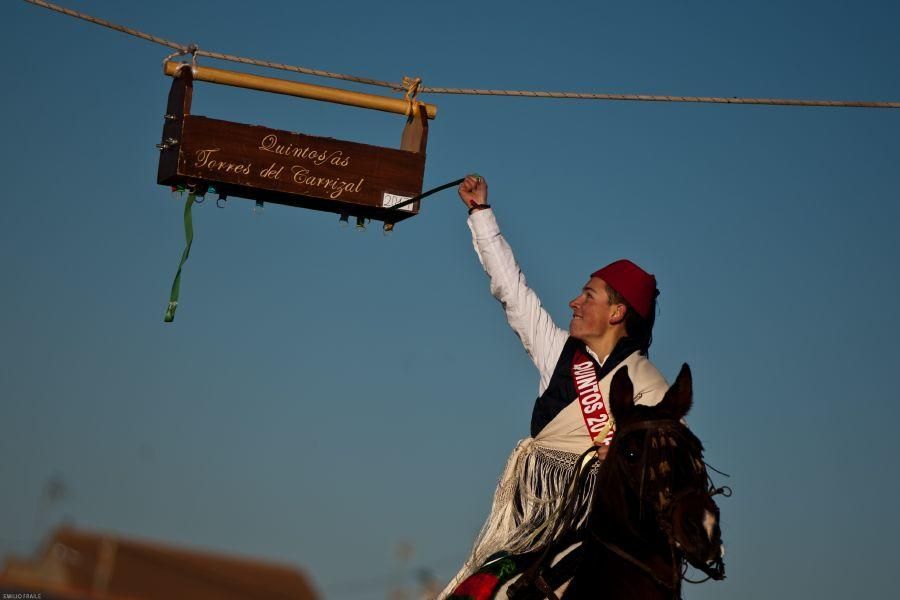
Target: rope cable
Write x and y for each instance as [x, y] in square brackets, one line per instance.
[658, 98]
[399, 87]
[192, 48]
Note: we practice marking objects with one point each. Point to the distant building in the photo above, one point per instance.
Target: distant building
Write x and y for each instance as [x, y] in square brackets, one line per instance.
[80, 565]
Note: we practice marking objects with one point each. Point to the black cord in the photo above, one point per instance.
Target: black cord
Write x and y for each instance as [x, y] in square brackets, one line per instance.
[428, 193]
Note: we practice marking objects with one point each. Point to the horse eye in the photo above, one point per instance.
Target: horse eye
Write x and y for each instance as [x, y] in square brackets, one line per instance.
[631, 455]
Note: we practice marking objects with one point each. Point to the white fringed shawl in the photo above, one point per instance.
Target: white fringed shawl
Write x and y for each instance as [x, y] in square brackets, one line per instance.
[538, 472]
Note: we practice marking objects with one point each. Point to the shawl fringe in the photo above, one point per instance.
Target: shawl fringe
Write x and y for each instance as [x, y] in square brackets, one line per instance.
[527, 505]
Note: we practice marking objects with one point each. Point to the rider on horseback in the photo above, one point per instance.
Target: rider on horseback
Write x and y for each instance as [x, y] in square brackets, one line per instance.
[611, 327]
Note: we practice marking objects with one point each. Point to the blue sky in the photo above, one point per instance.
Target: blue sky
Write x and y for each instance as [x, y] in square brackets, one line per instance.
[324, 395]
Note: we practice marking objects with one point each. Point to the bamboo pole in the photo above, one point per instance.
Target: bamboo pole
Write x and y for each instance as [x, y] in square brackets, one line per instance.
[295, 88]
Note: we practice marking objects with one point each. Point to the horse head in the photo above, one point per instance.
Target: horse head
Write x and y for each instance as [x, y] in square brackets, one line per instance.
[664, 491]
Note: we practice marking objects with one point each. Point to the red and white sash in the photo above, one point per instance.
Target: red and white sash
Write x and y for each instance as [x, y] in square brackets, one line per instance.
[599, 422]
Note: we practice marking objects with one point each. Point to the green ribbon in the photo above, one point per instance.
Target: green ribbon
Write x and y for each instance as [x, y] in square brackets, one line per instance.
[189, 238]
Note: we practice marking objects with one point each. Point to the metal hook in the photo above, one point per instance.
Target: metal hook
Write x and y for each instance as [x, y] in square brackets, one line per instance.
[724, 491]
[189, 49]
[192, 49]
[168, 143]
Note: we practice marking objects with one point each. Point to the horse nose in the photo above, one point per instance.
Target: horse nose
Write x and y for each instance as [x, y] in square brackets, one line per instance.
[715, 549]
[716, 552]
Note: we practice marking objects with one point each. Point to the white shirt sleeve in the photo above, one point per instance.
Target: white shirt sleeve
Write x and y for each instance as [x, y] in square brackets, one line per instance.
[542, 339]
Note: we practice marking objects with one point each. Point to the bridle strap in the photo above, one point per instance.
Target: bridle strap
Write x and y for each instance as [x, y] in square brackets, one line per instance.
[672, 587]
[545, 588]
[650, 424]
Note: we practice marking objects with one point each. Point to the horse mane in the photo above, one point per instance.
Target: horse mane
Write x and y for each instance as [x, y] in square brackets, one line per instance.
[612, 502]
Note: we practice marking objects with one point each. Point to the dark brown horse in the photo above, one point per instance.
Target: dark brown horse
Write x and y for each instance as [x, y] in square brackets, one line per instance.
[654, 510]
[652, 514]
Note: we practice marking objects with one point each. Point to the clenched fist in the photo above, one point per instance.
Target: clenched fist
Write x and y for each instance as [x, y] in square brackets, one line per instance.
[473, 191]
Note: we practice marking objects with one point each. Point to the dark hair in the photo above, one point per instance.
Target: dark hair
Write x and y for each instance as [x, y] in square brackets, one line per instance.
[636, 327]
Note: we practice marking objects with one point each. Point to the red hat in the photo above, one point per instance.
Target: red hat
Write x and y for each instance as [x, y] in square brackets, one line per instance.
[636, 285]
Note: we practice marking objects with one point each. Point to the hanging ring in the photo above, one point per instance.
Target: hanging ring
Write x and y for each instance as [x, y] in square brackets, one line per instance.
[175, 54]
[190, 49]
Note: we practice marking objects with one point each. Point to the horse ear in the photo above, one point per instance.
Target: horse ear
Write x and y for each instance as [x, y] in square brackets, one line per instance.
[680, 396]
[621, 393]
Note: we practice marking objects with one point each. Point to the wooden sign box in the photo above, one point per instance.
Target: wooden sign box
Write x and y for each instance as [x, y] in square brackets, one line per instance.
[258, 163]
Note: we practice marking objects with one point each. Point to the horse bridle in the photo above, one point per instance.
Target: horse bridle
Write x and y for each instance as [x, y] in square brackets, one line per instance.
[665, 517]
